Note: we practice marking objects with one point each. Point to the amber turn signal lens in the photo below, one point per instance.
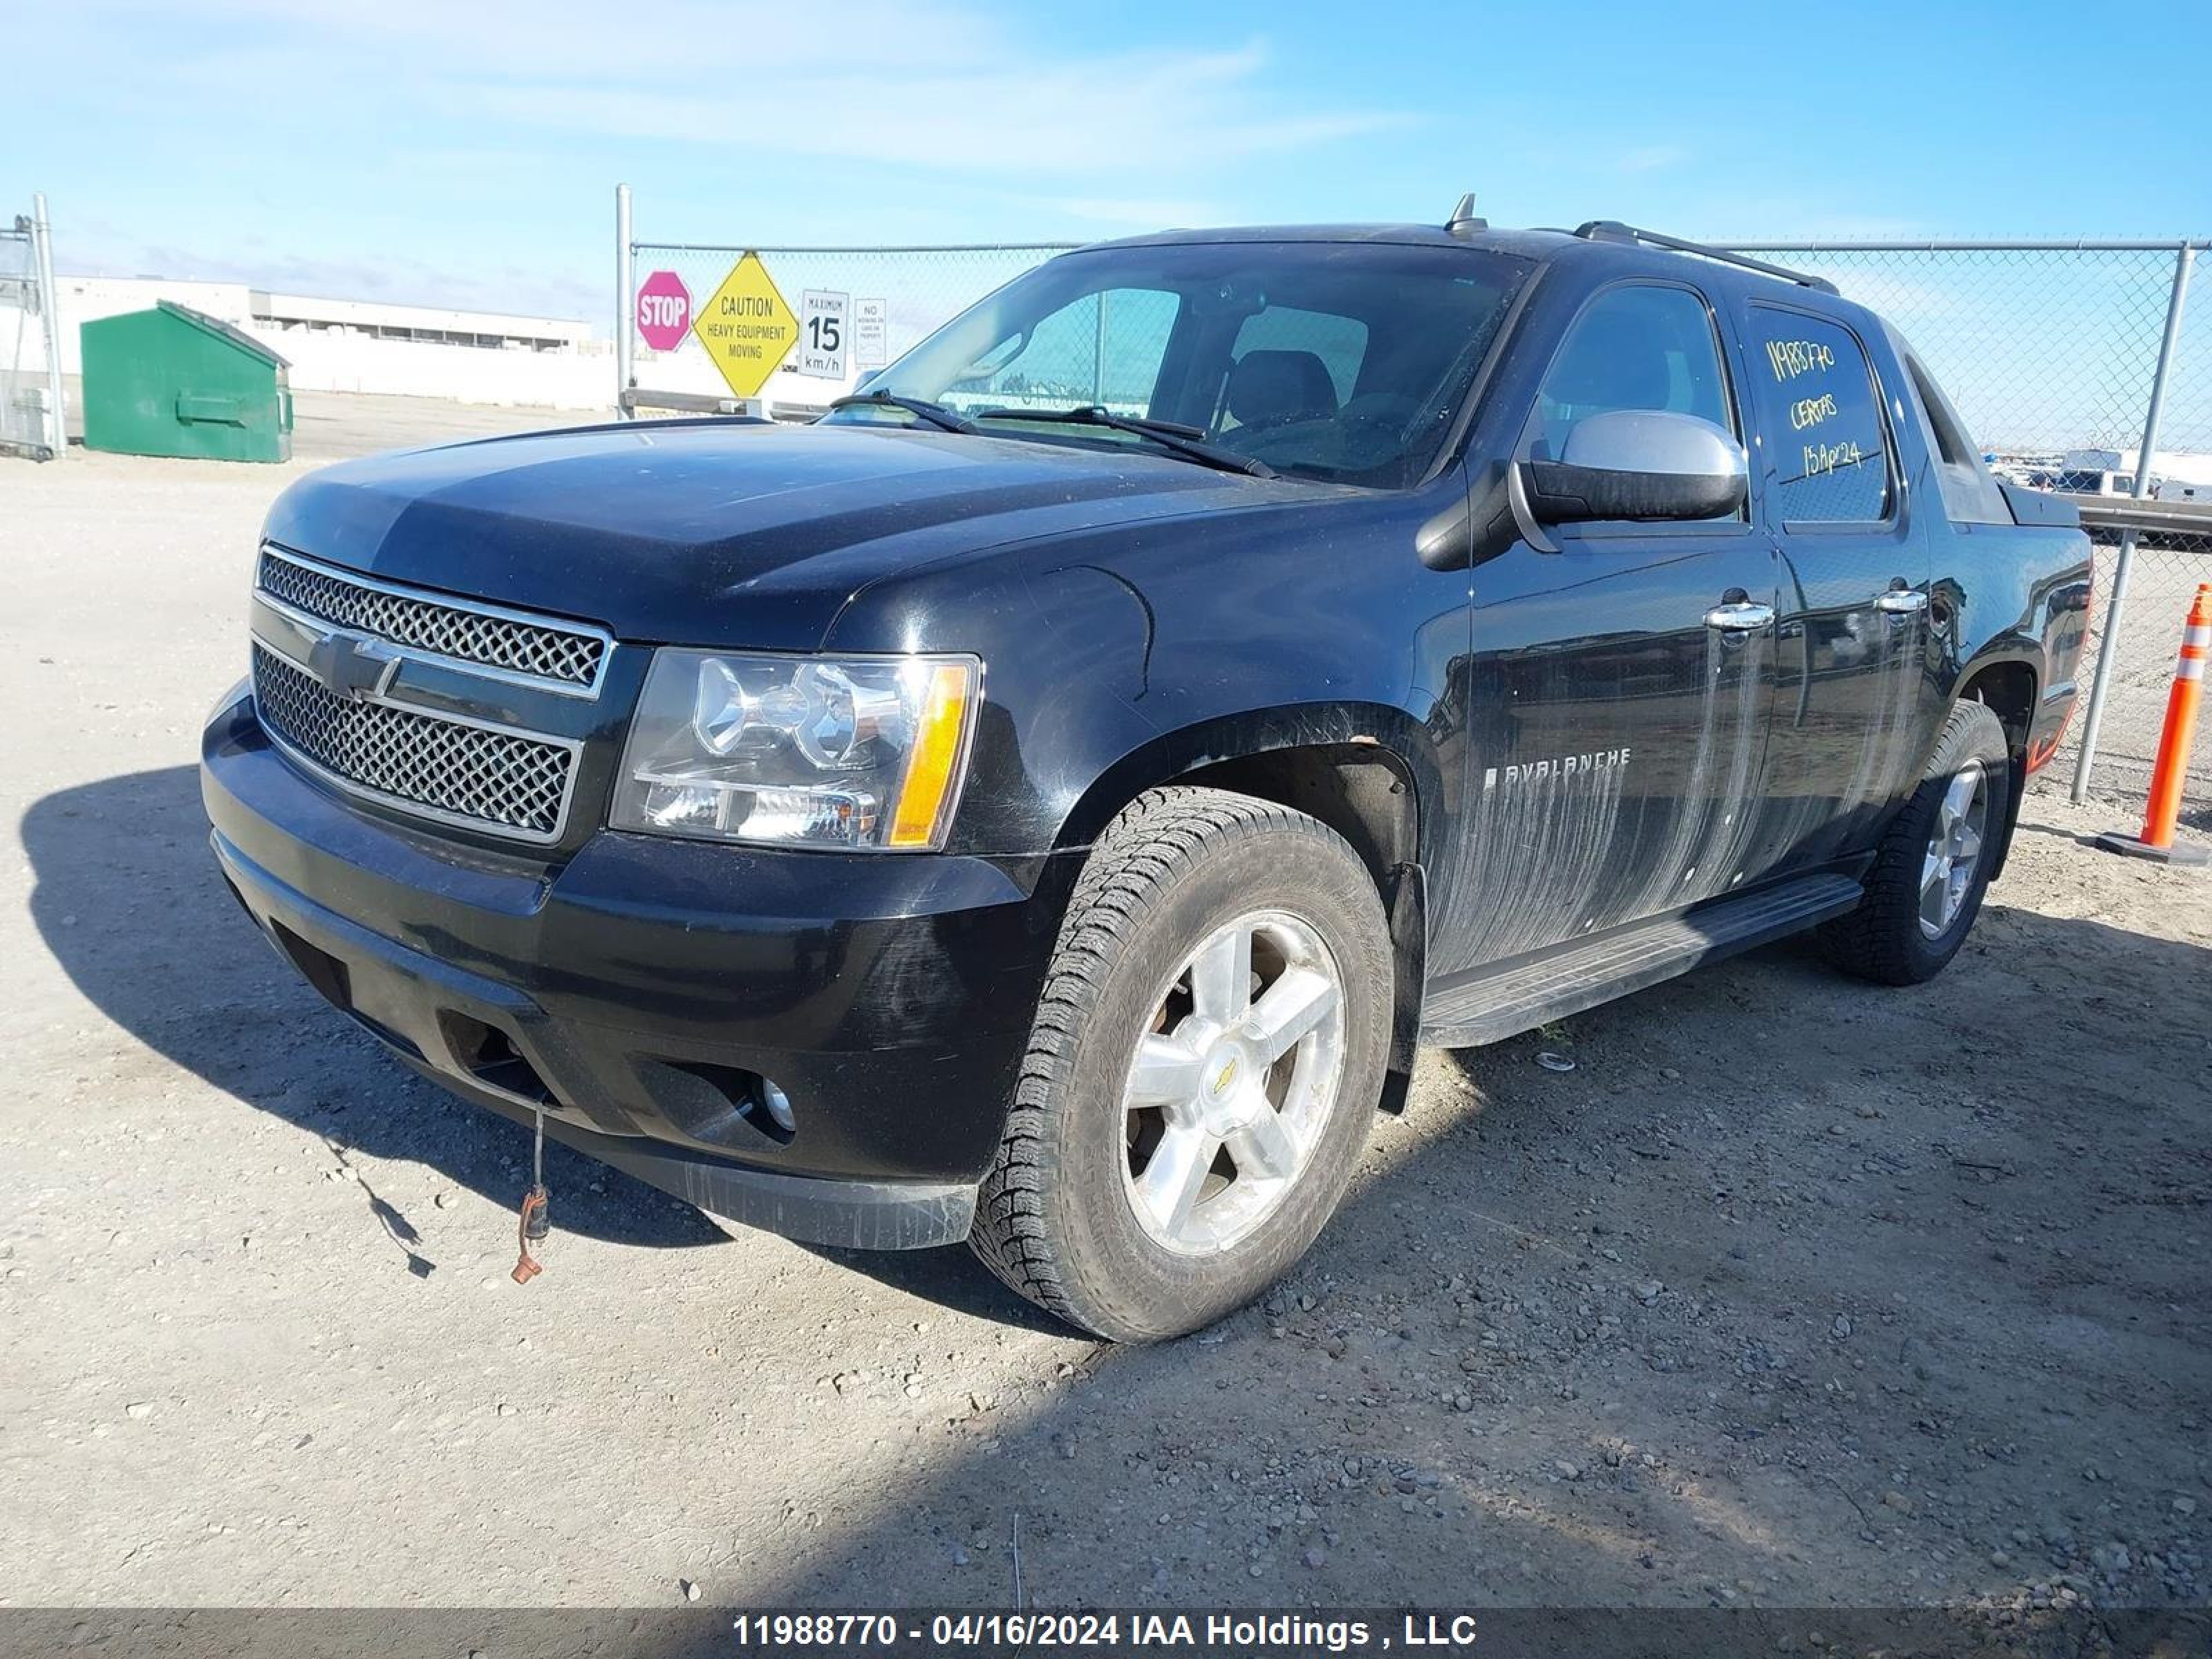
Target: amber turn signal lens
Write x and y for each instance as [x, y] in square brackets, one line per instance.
[925, 803]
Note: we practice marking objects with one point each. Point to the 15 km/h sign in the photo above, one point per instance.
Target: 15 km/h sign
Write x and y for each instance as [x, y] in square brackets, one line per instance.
[746, 327]
[823, 344]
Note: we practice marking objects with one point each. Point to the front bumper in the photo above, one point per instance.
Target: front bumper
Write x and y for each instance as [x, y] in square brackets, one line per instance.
[638, 991]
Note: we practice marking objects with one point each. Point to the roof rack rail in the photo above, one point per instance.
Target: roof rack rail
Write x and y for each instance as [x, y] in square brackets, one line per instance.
[1611, 230]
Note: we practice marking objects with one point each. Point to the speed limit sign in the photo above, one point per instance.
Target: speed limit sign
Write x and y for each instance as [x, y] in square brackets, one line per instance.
[824, 333]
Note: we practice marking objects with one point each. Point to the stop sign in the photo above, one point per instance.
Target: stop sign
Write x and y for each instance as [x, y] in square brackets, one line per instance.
[664, 311]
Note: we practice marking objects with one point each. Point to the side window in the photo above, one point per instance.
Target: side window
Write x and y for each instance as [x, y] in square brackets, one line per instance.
[1635, 348]
[1820, 419]
[1104, 349]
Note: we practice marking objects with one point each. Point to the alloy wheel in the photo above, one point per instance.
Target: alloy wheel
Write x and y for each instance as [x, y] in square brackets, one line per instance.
[1954, 851]
[1233, 1082]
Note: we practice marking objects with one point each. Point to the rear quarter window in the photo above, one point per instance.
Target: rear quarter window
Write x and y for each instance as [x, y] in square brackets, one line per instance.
[1970, 495]
[1819, 419]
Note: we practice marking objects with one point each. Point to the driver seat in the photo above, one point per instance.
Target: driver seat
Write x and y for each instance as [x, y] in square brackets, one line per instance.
[1269, 388]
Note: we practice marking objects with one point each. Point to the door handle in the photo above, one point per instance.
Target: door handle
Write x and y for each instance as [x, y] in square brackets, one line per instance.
[1901, 601]
[1740, 616]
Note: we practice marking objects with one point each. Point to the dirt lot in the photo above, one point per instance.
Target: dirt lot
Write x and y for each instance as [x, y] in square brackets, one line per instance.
[2164, 580]
[1793, 1292]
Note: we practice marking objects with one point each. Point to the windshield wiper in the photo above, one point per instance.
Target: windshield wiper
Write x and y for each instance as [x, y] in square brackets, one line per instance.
[1189, 441]
[921, 409]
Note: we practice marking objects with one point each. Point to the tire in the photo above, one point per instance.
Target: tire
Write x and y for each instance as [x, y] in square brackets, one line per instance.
[1900, 934]
[1058, 1218]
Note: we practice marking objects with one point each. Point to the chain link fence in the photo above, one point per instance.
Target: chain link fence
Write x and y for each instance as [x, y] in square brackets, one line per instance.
[2051, 352]
[31, 410]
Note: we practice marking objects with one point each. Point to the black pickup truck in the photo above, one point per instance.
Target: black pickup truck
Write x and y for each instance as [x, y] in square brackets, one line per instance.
[1047, 801]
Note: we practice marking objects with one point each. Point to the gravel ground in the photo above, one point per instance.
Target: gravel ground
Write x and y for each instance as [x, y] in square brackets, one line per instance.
[1792, 1291]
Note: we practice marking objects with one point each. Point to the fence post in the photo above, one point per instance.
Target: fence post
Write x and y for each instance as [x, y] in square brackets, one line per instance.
[625, 302]
[2184, 262]
[50, 305]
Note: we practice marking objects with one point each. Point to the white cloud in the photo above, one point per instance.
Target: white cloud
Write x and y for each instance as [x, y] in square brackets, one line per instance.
[1134, 212]
[415, 144]
[925, 86]
[1651, 158]
[1096, 118]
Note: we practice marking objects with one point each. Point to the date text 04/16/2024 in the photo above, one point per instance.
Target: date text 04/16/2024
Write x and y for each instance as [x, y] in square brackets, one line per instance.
[1238, 1631]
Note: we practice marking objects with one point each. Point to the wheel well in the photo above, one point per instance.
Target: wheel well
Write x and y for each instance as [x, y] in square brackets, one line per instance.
[1355, 788]
[2008, 690]
[1359, 791]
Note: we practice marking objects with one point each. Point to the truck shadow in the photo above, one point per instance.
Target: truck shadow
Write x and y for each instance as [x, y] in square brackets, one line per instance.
[951, 1278]
[1657, 1330]
[1642, 1332]
[128, 900]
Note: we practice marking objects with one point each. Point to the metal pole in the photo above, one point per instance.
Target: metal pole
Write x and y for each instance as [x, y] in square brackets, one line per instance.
[625, 302]
[2183, 261]
[50, 305]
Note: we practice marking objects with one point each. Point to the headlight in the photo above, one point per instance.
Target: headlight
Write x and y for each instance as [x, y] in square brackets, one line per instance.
[861, 752]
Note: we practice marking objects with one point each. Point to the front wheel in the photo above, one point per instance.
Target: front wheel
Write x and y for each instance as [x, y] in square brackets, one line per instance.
[1926, 886]
[1207, 1052]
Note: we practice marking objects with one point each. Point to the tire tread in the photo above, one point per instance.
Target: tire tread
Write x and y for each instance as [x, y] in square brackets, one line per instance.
[1157, 839]
[1877, 941]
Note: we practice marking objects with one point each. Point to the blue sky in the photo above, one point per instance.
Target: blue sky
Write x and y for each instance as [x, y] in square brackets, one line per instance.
[448, 152]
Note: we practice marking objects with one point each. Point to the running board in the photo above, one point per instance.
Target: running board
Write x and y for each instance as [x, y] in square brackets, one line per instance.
[1497, 1002]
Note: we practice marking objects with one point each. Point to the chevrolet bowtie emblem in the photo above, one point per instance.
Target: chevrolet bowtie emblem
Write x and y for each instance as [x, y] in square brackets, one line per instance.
[1227, 1075]
[352, 667]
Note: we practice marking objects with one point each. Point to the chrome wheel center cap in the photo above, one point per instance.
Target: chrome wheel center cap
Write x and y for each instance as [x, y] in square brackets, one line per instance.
[1223, 1096]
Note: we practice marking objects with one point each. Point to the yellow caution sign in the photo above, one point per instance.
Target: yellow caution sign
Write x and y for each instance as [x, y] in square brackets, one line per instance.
[746, 327]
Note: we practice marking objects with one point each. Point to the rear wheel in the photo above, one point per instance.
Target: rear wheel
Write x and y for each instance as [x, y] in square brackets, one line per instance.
[1934, 865]
[1207, 1052]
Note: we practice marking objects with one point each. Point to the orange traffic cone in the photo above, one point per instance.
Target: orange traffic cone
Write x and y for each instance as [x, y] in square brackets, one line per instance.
[2172, 768]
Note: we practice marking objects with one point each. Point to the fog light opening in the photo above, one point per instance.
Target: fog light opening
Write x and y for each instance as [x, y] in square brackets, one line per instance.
[489, 1055]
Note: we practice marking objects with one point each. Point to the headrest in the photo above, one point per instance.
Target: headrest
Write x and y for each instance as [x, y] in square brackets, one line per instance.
[1271, 386]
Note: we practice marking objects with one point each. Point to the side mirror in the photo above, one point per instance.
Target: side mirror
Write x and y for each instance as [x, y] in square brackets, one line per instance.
[1638, 463]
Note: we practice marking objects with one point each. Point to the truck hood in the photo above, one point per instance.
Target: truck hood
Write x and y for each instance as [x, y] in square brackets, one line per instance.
[717, 533]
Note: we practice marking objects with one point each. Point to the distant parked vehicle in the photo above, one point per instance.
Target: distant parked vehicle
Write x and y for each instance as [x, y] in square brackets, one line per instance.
[2101, 481]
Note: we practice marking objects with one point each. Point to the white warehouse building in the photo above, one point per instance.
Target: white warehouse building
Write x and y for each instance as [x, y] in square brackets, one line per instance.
[373, 345]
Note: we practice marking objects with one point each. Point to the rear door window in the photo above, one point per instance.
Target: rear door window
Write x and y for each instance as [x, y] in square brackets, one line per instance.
[1820, 418]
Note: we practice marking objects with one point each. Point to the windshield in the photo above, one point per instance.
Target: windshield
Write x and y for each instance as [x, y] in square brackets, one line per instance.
[1340, 361]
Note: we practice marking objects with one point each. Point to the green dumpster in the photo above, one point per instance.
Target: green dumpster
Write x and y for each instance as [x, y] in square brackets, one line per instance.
[171, 382]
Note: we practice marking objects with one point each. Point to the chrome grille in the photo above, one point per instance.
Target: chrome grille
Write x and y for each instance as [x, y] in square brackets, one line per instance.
[499, 780]
[531, 647]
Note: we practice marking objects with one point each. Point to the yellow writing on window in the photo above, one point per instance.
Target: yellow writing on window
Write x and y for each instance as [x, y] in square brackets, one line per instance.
[1827, 457]
[1790, 358]
[1811, 412]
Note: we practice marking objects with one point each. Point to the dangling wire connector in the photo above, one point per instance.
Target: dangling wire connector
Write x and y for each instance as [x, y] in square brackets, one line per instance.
[536, 1221]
